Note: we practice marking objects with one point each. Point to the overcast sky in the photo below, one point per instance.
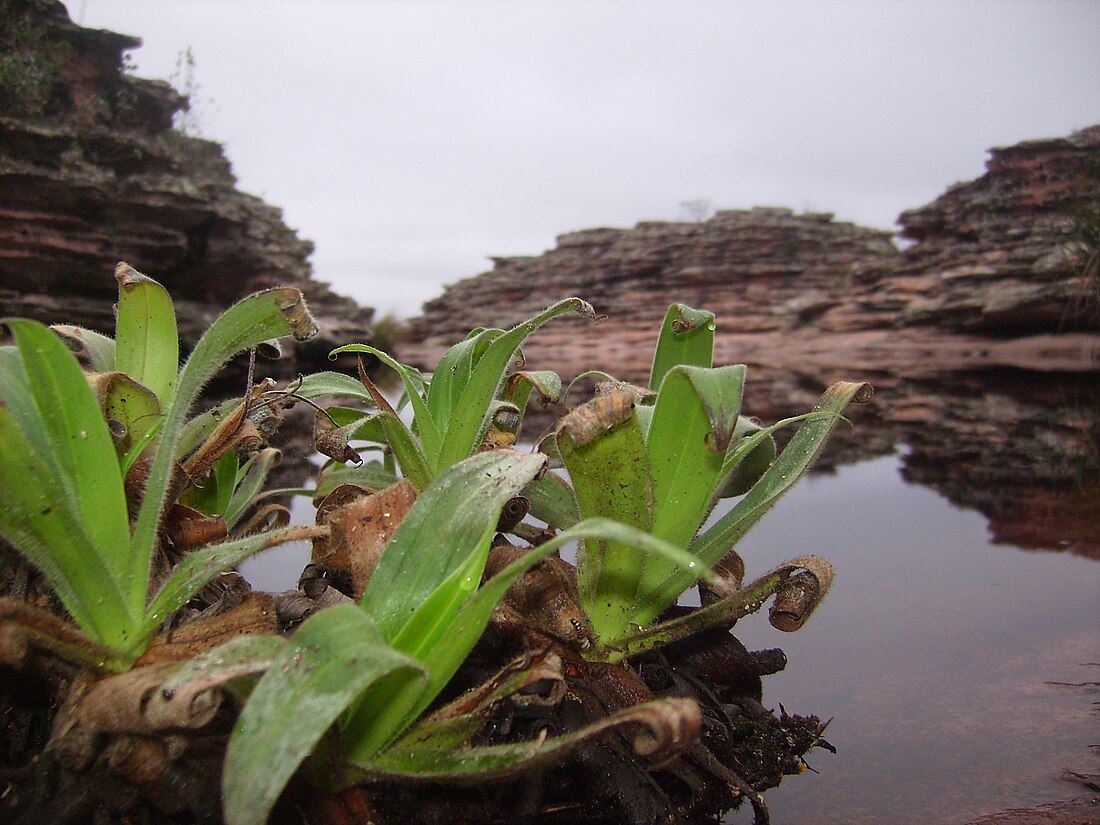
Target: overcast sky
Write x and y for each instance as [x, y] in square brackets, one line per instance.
[412, 139]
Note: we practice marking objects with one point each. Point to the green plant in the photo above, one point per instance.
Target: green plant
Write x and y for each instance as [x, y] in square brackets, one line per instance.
[454, 409]
[658, 459]
[347, 696]
[374, 668]
[646, 468]
[71, 442]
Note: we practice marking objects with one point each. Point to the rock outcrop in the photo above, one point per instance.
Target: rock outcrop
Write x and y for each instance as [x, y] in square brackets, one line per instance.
[92, 172]
[996, 275]
[980, 330]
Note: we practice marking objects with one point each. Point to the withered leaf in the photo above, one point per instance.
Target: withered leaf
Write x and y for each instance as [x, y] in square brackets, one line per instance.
[256, 614]
[360, 531]
[189, 528]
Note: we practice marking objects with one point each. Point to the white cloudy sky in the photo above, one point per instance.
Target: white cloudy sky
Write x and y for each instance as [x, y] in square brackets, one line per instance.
[411, 139]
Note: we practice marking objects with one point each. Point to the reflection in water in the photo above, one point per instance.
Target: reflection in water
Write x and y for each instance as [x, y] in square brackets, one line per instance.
[1023, 448]
[932, 652]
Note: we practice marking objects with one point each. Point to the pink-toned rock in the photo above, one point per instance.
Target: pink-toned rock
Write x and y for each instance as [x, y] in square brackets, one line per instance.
[982, 336]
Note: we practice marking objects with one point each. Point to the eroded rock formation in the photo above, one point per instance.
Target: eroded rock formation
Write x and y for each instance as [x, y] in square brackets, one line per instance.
[91, 173]
[996, 275]
[981, 334]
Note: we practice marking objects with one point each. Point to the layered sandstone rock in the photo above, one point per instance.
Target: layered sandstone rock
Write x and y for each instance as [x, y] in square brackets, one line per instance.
[996, 275]
[91, 173]
[981, 335]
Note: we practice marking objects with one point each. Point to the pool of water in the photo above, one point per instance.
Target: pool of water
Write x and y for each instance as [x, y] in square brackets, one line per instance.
[936, 653]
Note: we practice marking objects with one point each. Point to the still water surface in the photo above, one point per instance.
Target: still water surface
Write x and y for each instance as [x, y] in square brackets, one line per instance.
[933, 653]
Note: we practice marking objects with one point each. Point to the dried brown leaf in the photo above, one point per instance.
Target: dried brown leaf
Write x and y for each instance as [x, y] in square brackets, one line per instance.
[360, 531]
[256, 614]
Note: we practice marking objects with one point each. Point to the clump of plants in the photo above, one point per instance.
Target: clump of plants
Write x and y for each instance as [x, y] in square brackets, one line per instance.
[438, 638]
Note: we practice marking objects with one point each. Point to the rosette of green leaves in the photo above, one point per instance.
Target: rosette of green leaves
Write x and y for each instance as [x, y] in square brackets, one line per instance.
[64, 505]
[453, 411]
[659, 462]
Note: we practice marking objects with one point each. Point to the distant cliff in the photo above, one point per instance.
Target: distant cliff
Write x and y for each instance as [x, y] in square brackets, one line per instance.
[979, 329]
[995, 275]
[91, 173]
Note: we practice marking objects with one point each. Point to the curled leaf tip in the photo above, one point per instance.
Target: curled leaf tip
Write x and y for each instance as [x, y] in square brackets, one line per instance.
[670, 726]
[864, 393]
[584, 308]
[126, 275]
[717, 443]
[800, 593]
[603, 412]
[293, 305]
[270, 349]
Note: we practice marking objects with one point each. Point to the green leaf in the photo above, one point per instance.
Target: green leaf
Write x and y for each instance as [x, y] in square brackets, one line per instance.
[241, 656]
[369, 427]
[133, 405]
[336, 655]
[257, 318]
[791, 464]
[692, 425]
[687, 338]
[97, 348]
[453, 373]
[204, 564]
[452, 517]
[471, 413]
[43, 523]
[611, 478]
[410, 457]
[552, 501]
[146, 341]
[249, 482]
[61, 417]
[211, 495]
[333, 385]
[520, 384]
